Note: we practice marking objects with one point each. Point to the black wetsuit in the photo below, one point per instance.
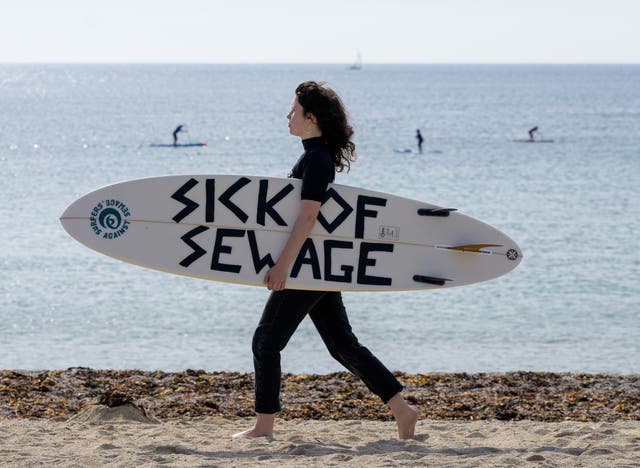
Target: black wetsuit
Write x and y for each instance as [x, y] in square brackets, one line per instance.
[287, 308]
[420, 140]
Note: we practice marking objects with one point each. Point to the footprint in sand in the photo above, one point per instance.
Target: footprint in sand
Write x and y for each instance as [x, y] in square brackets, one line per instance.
[107, 447]
[304, 449]
[599, 451]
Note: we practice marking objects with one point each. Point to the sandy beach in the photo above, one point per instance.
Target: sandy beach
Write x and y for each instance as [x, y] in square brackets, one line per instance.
[116, 440]
[85, 417]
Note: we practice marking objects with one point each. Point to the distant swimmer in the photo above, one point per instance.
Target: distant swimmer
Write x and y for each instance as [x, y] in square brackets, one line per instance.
[175, 134]
[531, 132]
[420, 140]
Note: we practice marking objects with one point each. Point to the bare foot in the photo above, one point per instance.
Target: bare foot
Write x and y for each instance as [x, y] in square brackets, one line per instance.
[252, 433]
[406, 421]
[263, 427]
[406, 416]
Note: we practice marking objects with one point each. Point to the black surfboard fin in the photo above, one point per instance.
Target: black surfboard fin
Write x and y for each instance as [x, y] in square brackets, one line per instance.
[430, 280]
[440, 212]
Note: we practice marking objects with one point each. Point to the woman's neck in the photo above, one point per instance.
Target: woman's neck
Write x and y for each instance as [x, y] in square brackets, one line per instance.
[315, 133]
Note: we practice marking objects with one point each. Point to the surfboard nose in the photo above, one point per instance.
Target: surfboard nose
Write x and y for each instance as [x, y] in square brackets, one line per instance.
[76, 209]
[67, 213]
[72, 216]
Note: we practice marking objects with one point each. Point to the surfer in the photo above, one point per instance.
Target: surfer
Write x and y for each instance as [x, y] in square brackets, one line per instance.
[420, 140]
[531, 132]
[175, 134]
[318, 117]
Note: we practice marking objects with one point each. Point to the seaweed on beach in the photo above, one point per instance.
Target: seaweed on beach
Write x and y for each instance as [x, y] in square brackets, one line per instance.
[508, 396]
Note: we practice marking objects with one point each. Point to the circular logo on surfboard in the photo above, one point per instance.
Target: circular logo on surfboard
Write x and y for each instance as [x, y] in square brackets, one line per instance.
[512, 254]
[108, 219]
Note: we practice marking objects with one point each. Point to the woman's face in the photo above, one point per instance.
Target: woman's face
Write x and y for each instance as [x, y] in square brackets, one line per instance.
[297, 119]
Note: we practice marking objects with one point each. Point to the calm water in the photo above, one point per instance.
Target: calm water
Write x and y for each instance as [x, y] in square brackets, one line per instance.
[573, 206]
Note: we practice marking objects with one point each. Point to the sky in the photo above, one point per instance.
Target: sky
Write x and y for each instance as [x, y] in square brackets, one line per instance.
[329, 31]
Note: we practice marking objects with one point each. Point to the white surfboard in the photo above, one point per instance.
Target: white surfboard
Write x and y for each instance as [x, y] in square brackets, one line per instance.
[232, 228]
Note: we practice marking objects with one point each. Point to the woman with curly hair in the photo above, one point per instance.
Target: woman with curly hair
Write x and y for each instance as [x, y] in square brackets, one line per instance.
[318, 117]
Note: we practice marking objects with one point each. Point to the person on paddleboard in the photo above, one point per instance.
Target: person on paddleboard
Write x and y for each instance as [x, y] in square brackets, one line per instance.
[420, 140]
[531, 132]
[318, 118]
[175, 134]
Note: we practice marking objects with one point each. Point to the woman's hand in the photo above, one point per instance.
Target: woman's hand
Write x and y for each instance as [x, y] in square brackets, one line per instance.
[276, 278]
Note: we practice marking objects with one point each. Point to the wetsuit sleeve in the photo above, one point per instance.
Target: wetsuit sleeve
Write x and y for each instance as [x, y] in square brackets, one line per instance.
[317, 174]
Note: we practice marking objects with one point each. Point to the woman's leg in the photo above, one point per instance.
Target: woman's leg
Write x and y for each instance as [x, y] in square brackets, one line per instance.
[281, 316]
[330, 318]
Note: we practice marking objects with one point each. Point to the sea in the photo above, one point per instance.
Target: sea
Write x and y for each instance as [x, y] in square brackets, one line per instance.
[573, 205]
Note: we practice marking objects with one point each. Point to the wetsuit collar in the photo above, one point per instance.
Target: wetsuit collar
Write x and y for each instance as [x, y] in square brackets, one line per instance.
[313, 143]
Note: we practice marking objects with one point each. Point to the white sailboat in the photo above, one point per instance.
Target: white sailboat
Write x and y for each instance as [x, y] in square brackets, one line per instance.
[357, 65]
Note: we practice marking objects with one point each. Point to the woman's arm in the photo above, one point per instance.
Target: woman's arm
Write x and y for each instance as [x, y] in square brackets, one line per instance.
[276, 277]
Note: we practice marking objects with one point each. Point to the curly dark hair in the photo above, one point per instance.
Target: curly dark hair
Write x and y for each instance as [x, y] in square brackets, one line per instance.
[326, 106]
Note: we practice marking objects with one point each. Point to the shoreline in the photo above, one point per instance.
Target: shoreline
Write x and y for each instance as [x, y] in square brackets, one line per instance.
[509, 396]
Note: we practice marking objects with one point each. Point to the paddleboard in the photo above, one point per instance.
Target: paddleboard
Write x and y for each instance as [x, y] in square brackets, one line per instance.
[526, 140]
[402, 150]
[410, 151]
[233, 227]
[177, 145]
